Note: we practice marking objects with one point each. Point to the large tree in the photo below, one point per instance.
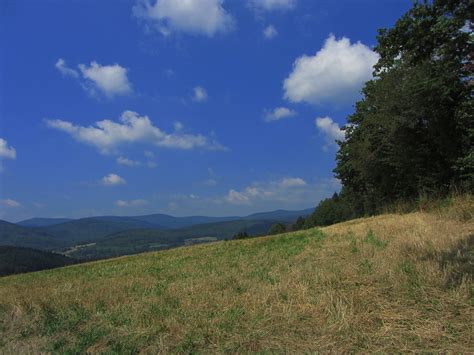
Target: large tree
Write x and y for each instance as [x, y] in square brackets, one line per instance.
[412, 132]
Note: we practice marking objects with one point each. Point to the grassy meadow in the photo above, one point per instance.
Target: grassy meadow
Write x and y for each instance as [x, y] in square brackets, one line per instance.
[395, 282]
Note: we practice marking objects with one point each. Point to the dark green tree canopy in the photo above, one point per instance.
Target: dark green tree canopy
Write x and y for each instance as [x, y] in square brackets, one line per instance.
[413, 132]
[241, 235]
[298, 225]
[277, 228]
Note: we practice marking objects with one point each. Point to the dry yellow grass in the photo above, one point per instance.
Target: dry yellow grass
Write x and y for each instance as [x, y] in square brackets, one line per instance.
[387, 283]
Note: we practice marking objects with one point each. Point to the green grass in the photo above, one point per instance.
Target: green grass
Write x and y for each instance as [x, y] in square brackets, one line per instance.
[381, 284]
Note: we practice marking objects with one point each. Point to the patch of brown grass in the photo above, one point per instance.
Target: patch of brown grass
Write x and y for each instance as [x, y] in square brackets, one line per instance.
[378, 284]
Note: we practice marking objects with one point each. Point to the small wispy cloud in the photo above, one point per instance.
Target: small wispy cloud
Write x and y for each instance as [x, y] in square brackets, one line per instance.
[270, 32]
[330, 129]
[10, 203]
[278, 113]
[131, 203]
[65, 70]
[271, 5]
[6, 152]
[178, 126]
[127, 162]
[113, 180]
[199, 94]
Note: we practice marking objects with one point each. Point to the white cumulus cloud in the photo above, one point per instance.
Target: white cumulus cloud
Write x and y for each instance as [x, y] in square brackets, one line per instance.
[110, 80]
[279, 190]
[270, 32]
[335, 74]
[279, 113]
[10, 203]
[108, 136]
[197, 17]
[107, 80]
[292, 182]
[7, 152]
[199, 94]
[113, 179]
[269, 5]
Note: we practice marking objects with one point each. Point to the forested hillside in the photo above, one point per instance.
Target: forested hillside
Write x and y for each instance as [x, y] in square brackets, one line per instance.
[15, 235]
[15, 260]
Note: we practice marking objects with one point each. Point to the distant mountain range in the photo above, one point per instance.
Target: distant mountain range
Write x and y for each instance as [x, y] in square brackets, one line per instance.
[164, 221]
[43, 222]
[106, 236]
[14, 235]
[142, 240]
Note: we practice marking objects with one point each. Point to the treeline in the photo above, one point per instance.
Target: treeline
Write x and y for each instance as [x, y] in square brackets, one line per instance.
[15, 260]
[412, 133]
[276, 228]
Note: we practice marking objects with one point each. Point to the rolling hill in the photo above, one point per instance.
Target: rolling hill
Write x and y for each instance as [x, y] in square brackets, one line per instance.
[280, 215]
[171, 222]
[382, 284]
[93, 229]
[15, 235]
[42, 222]
[64, 235]
[141, 240]
[135, 234]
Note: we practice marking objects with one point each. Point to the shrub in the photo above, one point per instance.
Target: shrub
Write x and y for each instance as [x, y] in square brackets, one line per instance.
[277, 228]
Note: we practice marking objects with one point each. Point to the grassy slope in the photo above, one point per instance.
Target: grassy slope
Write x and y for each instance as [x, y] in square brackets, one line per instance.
[393, 282]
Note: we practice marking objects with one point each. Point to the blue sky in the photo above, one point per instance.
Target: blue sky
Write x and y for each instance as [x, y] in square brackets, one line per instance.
[185, 107]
